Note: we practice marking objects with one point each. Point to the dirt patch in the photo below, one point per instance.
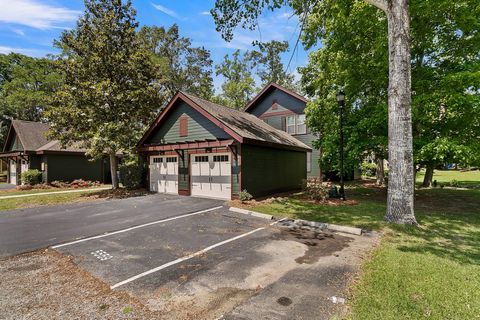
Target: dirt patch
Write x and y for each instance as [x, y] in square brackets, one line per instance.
[48, 285]
[320, 243]
[117, 194]
[202, 305]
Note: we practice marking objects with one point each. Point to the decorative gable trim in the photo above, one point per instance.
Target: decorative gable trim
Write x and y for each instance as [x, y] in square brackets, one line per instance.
[196, 107]
[267, 88]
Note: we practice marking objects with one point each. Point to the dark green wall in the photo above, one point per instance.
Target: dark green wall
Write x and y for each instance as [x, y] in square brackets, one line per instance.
[14, 144]
[35, 162]
[71, 167]
[266, 170]
[199, 127]
[183, 179]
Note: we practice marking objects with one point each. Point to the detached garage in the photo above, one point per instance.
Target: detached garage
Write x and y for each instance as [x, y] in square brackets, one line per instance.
[199, 148]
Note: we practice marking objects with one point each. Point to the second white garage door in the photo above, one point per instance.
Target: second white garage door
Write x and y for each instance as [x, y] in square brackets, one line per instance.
[164, 174]
[211, 175]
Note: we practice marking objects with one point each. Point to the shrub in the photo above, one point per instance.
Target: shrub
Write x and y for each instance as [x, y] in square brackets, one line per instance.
[31, 177]
[368, 169]
[315, 190]
[245, 196]
[131, 174]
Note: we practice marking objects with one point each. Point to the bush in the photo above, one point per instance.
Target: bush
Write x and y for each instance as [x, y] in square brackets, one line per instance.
[245, 196]
[31, 177]
[315, 190]
[131, 174]
[368, 169]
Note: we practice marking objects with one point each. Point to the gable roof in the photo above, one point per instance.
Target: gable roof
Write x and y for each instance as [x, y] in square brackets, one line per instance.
[268, 88]
[33, 137]
[241, 126]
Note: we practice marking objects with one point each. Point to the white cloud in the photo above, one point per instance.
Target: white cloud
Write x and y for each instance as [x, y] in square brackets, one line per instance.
[25, 51]
[20, 32]
[165, 10]
[35, 14]
[205, 13]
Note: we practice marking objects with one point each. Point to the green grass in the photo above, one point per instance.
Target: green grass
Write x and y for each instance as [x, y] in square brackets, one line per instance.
[430, 272]
[35, 201]
[33, 191]
[465, 179]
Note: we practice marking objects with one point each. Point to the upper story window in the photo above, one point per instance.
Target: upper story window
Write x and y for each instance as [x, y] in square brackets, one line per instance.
[296, 124]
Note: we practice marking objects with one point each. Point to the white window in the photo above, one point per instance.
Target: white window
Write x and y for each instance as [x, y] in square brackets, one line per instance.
[296, 124]
[301, 127]
[309, 162]
[291, 124]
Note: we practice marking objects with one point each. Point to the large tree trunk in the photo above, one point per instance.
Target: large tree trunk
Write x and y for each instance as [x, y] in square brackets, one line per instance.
[380, 171]
[400, 181]
[427, 179]
[113, 170]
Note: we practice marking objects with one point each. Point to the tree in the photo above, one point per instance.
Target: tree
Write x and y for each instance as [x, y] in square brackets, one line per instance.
[445, 89]
[239, 85]
[26, 88]
[183, 67]
[229, 13]
[269, 64]
[111, 89]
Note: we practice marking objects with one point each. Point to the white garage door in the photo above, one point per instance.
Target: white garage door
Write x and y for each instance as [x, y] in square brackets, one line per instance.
[164, 174]
[13, 172]
[211, 175]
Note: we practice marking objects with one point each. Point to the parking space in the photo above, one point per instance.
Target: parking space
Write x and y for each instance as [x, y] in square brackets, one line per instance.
[123, 255]
[216, 263]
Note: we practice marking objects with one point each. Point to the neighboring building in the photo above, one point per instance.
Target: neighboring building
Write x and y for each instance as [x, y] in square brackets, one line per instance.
[285, 110]
[27, 147]
[199, 148]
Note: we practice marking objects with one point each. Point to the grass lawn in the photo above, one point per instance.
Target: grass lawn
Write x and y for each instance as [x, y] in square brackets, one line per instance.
[428, 272]
[35, 201]
[13, 192]
[465, 179]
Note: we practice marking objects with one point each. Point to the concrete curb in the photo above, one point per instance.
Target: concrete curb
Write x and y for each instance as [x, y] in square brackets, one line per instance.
[252, 213]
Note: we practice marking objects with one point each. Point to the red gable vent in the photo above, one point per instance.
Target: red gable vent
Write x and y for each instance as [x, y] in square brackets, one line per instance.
[183, 128]
[274, 104]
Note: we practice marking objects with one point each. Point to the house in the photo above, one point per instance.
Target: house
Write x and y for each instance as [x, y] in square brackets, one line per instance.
[27, 147]
[284, 110]
[199, 148]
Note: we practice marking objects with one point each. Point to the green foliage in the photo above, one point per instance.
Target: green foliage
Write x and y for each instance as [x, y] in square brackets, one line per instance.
[26, 88]
[31, 177]
[131, 174]
[445, 80]
[314, 190]
[368, 169]
[182, 66]
[238, 85]
[245, 196]
[268, 63]
[111, 92]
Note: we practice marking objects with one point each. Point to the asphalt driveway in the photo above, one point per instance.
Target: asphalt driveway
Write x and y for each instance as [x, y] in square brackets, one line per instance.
[36, 228]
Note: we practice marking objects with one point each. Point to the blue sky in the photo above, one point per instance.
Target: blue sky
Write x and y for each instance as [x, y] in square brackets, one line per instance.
[30, 26]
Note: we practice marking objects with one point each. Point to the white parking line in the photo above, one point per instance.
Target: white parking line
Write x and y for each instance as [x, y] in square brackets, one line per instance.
[190, 256]
[136, 227]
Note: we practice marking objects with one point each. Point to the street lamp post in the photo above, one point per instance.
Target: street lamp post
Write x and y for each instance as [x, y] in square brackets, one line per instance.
[341, 106]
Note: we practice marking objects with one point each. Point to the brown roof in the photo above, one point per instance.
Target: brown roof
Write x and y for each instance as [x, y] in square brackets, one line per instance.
[246, 125]
[33, 136]
[268, 87]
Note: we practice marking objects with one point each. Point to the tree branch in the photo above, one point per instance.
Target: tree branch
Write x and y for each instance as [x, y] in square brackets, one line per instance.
[381, 4]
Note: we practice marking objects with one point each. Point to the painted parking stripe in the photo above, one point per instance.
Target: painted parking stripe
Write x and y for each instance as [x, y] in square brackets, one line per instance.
[190, 256]
[135, 227]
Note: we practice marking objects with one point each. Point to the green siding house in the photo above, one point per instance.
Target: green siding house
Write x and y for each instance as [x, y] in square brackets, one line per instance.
[199, 148]
[27, 147]
[285, 110]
